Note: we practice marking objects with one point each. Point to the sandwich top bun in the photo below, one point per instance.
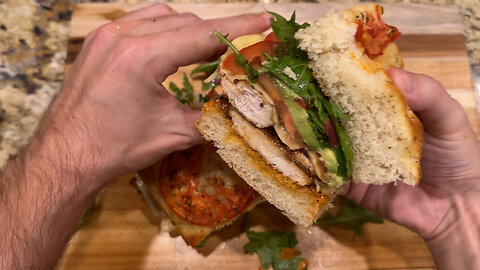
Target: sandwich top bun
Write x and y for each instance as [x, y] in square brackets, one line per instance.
[386, 135]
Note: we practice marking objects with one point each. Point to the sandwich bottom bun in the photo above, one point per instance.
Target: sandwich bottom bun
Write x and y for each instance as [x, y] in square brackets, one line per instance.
[301, 204]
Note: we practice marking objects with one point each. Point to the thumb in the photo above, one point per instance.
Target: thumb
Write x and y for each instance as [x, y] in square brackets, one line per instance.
[440, 114]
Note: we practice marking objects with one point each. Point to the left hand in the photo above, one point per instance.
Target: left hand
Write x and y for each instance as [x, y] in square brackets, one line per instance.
[113, 110]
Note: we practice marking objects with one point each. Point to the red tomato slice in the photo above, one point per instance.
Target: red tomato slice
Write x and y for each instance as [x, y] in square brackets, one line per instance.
[331, 132]
[272, 37]
[253, 53]
[375, 35]
[282, 108]
[200, 188]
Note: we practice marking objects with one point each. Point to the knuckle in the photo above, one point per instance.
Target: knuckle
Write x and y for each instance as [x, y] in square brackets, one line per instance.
[105, 32]
[163, 7]
[130, 50]
[208, 28]
[190, 16]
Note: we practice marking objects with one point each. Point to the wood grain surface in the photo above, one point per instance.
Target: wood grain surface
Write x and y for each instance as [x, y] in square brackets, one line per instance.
[122, 234]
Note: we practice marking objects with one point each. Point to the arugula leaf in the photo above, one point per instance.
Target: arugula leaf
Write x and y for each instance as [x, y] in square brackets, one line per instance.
[209, 85]
[275, 248]
[203, 98]
[239, 58]
[202, 243]
[188, 88]
[347, 150]
[303, 75]
[185, 94]
[207, 68]
[304, 85]
[285, 32]
[283, 29]
[345, 156]
[352, 215]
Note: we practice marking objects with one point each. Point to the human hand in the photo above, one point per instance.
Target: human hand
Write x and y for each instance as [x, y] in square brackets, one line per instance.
[449, 190]
[113, 110]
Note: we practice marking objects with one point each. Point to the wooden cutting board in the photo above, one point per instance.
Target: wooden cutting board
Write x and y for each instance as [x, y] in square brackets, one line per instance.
[122, 233]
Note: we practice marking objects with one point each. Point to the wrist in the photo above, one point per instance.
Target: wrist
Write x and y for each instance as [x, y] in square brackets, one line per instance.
[48, 188]
[66, 155]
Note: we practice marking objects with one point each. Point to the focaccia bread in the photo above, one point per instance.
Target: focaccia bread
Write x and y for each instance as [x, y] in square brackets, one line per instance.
[386, 135]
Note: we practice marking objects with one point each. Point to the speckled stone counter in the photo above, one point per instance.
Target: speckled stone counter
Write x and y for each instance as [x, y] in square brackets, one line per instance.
[33, 43]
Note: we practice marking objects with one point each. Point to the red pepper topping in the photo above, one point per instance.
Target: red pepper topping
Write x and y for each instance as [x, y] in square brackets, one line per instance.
[302, 103]
[331, 132]
[374, 35]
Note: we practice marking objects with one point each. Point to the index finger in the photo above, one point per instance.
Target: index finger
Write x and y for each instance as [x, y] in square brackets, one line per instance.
[197, 42]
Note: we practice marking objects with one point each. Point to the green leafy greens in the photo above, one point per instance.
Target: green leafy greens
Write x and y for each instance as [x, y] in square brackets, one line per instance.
[290, 57]
[352, 215]
[285, 31]
[207, 68]
[239, 59]
[288, 69]
[275, 248]
[185, 94]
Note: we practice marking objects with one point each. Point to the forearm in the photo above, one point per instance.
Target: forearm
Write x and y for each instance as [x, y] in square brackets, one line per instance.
[43, 195]
[458, 245]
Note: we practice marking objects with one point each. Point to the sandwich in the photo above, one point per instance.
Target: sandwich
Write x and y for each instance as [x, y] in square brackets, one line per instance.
[308, 108]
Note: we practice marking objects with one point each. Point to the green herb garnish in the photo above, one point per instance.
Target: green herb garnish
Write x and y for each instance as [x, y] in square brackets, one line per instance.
[321, 109]
[239, 58]
[300, 80]
[285, 31]
[275, 248]
[203, 98]
[352, 215]
[208, 86]
[206, 68]
[185, 94]
[202, 243]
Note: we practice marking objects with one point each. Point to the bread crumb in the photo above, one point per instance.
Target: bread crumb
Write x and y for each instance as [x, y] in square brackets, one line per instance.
[289, 72]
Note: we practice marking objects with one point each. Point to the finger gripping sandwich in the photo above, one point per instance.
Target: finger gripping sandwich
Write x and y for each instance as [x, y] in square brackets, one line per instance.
[310, 107]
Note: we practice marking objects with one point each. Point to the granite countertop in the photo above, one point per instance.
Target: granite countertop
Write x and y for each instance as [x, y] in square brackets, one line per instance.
[33, 48]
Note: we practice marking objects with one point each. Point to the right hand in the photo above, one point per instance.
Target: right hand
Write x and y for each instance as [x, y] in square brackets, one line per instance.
[446, 203]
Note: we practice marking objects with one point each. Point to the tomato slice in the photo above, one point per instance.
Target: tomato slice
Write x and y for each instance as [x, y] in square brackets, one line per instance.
[272, 37]
[200, 188]
[281, 108]
[374, 35]
[253, 54]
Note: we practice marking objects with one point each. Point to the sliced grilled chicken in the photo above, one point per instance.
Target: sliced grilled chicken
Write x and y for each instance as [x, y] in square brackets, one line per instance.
[269, 148]
[250, 103]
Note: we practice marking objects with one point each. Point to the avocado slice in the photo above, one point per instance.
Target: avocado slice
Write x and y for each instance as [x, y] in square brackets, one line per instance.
[302, 123]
